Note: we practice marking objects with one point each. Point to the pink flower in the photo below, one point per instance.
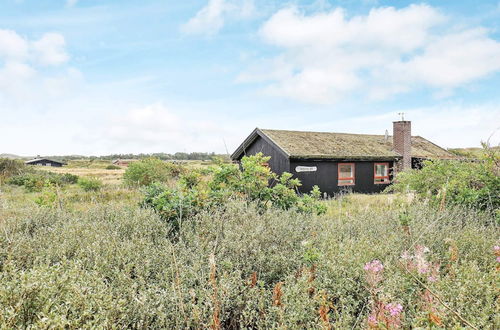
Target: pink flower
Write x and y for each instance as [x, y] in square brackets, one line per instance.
[374, 266]
[422, 266]
[421, 249]
[394, 309]
[498, 259]
[496, 248]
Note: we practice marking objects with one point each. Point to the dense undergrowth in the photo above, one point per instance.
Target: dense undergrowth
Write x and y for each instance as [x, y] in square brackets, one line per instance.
[474, 184]
[241, 254]
[115, 266]
[254, 182]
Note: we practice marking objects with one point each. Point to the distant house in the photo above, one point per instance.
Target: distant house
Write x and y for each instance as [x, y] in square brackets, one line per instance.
[44, 162]
[341, 161]
[124, 162]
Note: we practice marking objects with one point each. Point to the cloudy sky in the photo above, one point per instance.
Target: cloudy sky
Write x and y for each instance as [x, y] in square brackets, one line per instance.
[97, 77]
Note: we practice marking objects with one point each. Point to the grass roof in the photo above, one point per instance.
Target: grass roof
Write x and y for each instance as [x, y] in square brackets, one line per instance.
[299, 144]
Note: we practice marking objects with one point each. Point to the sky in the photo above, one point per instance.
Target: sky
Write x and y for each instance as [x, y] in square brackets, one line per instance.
[95, 77]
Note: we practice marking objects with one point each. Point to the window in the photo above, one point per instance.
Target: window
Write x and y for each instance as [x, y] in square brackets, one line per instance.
[381, 173]
[346, 174]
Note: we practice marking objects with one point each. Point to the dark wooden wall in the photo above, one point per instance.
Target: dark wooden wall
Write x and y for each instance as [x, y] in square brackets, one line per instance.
[279, 163]
[326, 177]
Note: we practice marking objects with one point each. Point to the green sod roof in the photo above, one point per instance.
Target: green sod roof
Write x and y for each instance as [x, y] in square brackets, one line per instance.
[297, 144]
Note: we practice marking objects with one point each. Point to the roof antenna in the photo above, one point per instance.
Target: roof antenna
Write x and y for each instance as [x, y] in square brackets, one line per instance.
[402, 114]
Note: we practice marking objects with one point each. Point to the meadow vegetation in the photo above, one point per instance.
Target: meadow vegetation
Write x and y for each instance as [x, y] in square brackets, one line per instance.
[177, 247]
[473, 184]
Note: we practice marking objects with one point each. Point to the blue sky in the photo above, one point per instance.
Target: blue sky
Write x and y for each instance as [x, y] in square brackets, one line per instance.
[98, 77]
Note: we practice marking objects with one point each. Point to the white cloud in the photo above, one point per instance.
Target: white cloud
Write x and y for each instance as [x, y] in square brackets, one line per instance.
[50, 49]
[449, 126]
[71, 3]
[158, 128]
[211, 18]
[24, 80]
[328, 55]
[12, 45]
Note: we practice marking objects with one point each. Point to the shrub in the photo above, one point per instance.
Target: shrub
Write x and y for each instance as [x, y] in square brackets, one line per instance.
[228, 182]
[68, 178]
[173, 205]
[472, 184]
[90, 184]
[10, 167]
[113, 167]
[150, 170]
[48, 198]
[36, 180]
[256, 182]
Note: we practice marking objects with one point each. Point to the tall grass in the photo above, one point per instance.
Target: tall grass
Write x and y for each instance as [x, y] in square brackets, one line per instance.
[116, 266]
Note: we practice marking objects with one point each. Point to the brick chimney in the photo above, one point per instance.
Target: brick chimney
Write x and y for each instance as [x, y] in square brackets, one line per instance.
[402, 142]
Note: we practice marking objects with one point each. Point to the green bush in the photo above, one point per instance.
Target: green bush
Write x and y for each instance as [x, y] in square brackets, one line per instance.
[227, 182]
[90, 184]
[113, 167]
[34, 180]
[150, 170]
[68, 178]
[48, 198]
[471, 184]
[10, 168]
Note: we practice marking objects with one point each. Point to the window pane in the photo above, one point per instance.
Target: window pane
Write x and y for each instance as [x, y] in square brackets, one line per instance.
[346, 171]
[381, 170]
[381, 180]
[341, 182]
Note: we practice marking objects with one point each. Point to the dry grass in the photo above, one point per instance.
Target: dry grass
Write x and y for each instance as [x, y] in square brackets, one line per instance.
[351, 204]
[113, 177]
[97, 169]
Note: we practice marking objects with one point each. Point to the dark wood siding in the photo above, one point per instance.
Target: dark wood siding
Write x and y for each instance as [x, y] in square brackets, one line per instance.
[46, 162]
[278, 162]
[326, 176]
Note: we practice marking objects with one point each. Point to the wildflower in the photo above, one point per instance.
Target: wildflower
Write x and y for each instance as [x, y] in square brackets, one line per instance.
[406, 256]
[394, 309]
[421, 249]
[498, 259]
[418, 262]
[374, 270]
[374, 266]
[372, 321]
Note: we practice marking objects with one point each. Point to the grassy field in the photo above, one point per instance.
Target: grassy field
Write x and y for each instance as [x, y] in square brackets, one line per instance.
[97, 169]
[113, 176]
[71, 258]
